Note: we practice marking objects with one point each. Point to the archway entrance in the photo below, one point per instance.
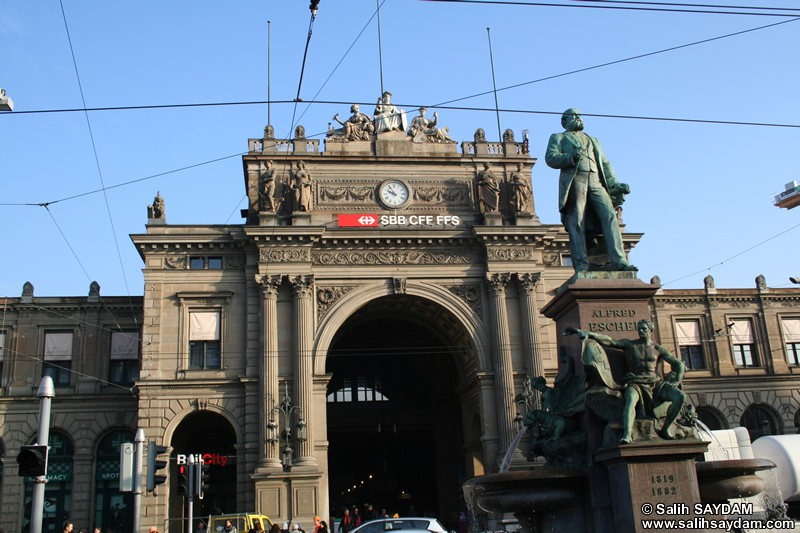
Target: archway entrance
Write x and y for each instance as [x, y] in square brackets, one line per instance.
[394, 412]
[211, 435]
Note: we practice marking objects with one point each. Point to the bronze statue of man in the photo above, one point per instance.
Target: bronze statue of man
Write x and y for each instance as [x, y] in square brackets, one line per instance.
[644, 388]
[585, 186]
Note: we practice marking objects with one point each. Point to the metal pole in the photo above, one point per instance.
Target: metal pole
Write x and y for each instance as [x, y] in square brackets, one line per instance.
[190, 491]
[269, 85]
[380, 50]
[494, 82]
[137, 480]
[46, 394]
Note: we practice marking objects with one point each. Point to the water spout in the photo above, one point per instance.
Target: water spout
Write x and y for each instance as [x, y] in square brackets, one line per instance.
[705, 429]
[504, 466]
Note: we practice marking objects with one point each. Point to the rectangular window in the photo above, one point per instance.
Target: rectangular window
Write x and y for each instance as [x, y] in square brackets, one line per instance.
[57, 357]
[215, 263]
[687, 333]
[124, 364]
[197, 262]
[204, 340]
[791, 336]
[744, 344]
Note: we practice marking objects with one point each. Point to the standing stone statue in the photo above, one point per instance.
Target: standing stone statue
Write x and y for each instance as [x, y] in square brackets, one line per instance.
[387, 117]
[157, 209]
[266, 188]
[357, 128]
[302, 188]
[489, 191]
[424, 130]
[522, 191]
[643, 389]
[586, 186]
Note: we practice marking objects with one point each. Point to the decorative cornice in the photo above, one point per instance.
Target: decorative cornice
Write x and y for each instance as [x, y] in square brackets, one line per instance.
[510, 254]
[284, 255]
[393, 258]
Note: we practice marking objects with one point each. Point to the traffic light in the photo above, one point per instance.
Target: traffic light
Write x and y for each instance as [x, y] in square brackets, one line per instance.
[183, 480]
[32, 460]
[154, 465]
[201, 477]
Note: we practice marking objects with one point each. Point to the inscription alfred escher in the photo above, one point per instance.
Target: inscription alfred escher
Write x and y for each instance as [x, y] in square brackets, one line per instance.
[612, 322]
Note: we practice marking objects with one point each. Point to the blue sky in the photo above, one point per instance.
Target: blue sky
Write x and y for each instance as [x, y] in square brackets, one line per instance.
[700, 192]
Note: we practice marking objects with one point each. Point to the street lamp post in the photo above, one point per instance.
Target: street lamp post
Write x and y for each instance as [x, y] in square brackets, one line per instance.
[286, 408]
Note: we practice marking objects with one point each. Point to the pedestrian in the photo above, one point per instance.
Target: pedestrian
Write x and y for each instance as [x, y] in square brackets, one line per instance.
[356, 517]
[316, 524]
[296, 528]
[275, 529]
[285, 527]
[347, 522]
[323, 527]
[153, 529]
[370, 514]
[229, 527]
[68, 527]
[201, 528]
[384, 514]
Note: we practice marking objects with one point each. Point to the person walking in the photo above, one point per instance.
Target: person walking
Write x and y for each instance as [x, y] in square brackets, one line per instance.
[347, 522]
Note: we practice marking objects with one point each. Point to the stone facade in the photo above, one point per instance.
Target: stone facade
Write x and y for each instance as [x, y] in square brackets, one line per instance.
[238, 321]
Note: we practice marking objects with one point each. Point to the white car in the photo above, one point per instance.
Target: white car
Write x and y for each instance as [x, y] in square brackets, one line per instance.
[397, 524]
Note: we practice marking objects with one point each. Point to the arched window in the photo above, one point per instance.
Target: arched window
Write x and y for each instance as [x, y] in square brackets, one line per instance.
[113, 510]
[58, 489]
[759, 422]
[710, 418]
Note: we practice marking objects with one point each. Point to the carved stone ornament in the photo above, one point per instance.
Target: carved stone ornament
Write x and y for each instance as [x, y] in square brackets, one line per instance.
[510, 254]
[480, 136]
[303, 285]
[655, 280]
[399, 285]
[27, 289]
[497, 283]
[761, 282]
[269, 133]
[94, 291]
[327, 298]
[286, 255]
[708, 281]
[552, 260]
[234, 261]
[393, 258]
[528, 281]
[268, 285]
[685, 305]
[176, 261]
[471, 294]
[157, 209]
[299, 132]
[348, 194]
[508, 136]
[451, 194]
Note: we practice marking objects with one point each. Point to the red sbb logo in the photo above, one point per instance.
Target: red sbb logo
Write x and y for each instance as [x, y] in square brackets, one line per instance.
[358, 221]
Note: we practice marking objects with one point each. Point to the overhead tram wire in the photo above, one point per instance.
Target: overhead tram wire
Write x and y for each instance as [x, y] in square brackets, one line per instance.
[102, 182]
[627, 8]
[313, 7]
[689, 5]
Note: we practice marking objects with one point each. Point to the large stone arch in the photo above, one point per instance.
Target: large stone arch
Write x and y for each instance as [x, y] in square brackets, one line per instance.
[189, 409]
[361, 296]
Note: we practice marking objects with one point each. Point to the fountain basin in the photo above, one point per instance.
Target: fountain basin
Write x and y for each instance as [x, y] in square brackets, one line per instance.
[720, 481]
[540, 499]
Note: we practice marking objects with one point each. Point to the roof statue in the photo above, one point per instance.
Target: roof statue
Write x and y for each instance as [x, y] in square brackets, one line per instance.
[387, 116]
[356, 128]
[424, 129]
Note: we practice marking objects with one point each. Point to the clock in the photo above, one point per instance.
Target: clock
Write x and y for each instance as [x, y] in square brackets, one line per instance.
[393, 193]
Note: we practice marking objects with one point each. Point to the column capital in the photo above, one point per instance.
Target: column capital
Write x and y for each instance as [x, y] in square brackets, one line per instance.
[303, 285]
[497, 283]
[528, 280]
[268, 285]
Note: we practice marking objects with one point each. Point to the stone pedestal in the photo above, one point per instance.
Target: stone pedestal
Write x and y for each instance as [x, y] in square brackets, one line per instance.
[493, 219]
[301, 219]
[640, 476]
[267, 218]
[524, 218]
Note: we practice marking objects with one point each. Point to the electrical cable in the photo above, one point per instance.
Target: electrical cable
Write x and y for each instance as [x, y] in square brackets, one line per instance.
[96, 158]
[627, 8]
[689, 5]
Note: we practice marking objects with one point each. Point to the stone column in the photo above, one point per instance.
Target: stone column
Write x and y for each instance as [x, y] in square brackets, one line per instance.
[269, 455]
[529, 317]
[501, 354]
[303, 386]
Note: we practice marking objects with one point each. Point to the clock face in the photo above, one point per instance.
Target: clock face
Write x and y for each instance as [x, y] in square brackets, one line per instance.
[394, 193]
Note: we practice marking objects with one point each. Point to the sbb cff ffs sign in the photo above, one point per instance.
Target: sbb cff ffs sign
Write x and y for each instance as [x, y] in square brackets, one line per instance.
[367, 221]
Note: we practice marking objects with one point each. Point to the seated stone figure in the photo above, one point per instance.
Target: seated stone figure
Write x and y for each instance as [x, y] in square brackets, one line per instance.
[424, 130]
[357, 128]
[644, 393]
